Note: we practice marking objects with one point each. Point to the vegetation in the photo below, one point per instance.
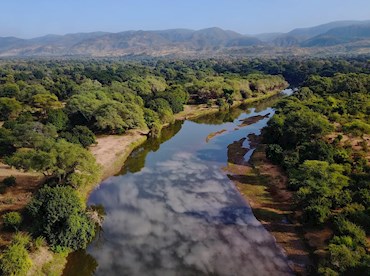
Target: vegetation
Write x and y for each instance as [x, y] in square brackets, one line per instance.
[60, 217]
[330, 177]
[15, 259]
[51, 112]
[12, 220]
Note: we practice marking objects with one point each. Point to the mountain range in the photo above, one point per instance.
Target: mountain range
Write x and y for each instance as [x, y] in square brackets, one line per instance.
[341, 37]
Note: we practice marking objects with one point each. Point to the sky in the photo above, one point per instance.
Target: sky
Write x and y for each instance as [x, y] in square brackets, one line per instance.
[27, 19]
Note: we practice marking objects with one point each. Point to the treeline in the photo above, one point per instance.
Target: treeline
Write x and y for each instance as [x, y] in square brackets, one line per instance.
[50, 113]
[321, 136]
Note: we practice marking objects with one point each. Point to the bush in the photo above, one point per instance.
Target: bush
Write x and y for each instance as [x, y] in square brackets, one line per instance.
[274, 153]
[347, 228]
[39, 242]
[9, 181]
[23, 239]
[12, 220]
[316, 215]
[61, 218]
[15, 260]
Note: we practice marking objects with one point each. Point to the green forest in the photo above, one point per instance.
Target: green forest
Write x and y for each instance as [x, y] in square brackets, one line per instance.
[51, 112]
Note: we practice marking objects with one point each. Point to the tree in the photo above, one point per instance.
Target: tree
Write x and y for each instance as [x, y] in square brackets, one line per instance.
[321, 186]
[58, 118]
[46, 101]
[69, 163]
[60, 217]
[10, 90]
[10, 108]
[81, 135]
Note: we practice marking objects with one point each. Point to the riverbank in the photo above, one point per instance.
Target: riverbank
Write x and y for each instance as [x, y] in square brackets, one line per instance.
[263, 185]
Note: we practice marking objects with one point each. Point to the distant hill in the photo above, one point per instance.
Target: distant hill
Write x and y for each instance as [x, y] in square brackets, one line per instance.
[307, 33]
[346, 36]
[340, 35]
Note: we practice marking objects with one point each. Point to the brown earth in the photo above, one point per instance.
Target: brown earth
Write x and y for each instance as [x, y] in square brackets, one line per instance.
[263, 185]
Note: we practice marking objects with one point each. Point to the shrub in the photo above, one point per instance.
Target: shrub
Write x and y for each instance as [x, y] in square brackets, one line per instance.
[39, 242]
[15, 260]
[12, 220]
[274, 153]
[9, 181]
[61, 218]
[347, 228]
[23, 239]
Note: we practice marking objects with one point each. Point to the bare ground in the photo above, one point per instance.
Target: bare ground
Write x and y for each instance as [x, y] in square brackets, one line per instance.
[112, 150]
[263, 185]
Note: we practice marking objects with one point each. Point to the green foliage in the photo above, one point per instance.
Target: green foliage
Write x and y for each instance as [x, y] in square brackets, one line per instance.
[10, 108]
[39, 242]
[274, 153]
[60, 217]
[341, 257]
[23, 239]
[69, 163]
[81, 135]
[58, 118]
[163, 108]
[12, 220]
[15, 261]
[10, 90]
[357, 128]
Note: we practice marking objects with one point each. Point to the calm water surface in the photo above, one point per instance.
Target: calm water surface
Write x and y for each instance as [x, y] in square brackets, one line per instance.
[173, 211]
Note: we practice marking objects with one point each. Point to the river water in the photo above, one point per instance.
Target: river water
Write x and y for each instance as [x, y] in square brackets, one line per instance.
[173, 211]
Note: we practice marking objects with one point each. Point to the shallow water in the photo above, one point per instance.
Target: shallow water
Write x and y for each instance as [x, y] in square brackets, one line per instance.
[173, 211]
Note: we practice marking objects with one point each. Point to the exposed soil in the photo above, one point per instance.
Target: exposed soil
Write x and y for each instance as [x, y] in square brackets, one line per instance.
[263, 185]
[110, 150]
[17, 197]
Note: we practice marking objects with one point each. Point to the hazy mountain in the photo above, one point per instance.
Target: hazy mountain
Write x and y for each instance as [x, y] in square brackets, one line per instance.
[350, 36]
[155, 43]
[341, 35]
[306, 33]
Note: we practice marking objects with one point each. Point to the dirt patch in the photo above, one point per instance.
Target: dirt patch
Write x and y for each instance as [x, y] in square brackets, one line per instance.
[39, 259]
[16, 198]
[112, 150]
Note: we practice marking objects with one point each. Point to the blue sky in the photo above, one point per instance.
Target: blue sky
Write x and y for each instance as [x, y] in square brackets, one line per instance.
[26, 18]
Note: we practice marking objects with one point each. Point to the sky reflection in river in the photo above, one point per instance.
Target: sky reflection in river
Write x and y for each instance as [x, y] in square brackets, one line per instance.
[180, 215]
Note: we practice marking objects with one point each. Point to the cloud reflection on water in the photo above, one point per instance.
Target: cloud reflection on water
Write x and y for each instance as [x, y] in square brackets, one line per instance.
[181, 217]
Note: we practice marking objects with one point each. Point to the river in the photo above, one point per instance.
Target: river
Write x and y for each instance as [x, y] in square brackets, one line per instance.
[173, 211]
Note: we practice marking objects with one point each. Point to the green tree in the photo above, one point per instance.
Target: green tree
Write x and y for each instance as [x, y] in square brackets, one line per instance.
[10, 108]
[69, 163]
[60, 217]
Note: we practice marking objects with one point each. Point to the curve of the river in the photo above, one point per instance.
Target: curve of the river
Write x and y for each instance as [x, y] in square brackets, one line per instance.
[173, 211]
